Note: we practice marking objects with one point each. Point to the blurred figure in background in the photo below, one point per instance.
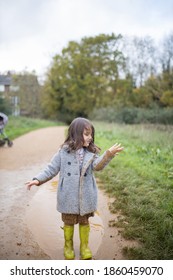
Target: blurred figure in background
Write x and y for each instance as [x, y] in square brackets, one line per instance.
[3, 137]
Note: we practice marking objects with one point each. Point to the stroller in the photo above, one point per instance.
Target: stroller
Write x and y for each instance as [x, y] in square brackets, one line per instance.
[3, 137]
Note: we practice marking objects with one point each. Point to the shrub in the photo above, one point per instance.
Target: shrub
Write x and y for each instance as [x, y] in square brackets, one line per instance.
[134, 115]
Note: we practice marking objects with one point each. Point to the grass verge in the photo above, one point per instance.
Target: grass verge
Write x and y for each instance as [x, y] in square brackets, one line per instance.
[141, 181]
[18, 126]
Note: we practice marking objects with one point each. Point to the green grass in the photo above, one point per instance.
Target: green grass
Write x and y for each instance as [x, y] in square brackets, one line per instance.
[18, 126]
[141, 181]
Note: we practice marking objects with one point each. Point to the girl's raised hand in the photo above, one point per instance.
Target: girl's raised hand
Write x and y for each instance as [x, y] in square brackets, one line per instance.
[29, 184]
[116, 149]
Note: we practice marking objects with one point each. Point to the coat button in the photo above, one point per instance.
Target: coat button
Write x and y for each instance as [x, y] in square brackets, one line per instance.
[69, 163]
[69, 174]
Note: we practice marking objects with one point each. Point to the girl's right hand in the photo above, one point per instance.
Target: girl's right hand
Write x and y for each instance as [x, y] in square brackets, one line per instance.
[116, 149]
[29, 184]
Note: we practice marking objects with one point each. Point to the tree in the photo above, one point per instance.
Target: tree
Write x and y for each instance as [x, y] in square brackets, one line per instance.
[167, 98]
[83, 77]
[166, 56]
[140, 53]
[27, 89]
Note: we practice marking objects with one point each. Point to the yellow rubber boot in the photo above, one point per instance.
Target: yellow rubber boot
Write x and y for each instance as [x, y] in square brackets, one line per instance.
[85, 252]
[68, 246]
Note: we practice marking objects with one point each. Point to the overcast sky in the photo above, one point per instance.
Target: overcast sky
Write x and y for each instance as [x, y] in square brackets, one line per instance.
[32, 31]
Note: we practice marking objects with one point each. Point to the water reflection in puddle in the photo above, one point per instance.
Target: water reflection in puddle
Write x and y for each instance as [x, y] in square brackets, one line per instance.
[44, 221]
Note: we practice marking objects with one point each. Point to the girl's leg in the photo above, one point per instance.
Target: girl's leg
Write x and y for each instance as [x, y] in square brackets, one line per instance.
[68, 245]
[84, 230]
[69, 221]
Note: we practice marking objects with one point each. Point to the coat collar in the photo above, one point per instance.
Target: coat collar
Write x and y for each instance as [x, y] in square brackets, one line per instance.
[88, 158]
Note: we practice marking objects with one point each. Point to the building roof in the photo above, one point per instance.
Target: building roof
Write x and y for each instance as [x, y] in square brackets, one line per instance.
[5, 80]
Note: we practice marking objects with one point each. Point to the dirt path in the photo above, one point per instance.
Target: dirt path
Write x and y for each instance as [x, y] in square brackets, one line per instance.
[30, 226]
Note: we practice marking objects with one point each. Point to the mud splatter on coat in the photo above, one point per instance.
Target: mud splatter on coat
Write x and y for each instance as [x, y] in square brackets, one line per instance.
[77, 191]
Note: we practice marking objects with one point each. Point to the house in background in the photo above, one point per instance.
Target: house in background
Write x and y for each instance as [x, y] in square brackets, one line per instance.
[5, 83]
[22, 93]
[6, 90]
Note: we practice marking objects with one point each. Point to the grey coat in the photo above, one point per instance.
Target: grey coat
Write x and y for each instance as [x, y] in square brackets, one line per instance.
[77, 191]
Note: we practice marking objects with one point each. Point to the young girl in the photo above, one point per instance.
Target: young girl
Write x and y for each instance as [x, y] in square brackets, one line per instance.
[77, 191]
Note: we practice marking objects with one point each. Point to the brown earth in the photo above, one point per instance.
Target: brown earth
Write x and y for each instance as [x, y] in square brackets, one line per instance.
[30, 226]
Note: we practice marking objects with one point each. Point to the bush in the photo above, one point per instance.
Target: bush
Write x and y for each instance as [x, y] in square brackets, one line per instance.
[5, 106]
[133, 115]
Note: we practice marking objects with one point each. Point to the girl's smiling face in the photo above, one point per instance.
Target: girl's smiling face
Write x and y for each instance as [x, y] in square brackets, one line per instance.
[87, 137]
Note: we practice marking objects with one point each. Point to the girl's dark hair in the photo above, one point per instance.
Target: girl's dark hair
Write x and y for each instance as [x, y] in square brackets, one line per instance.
[74, 139]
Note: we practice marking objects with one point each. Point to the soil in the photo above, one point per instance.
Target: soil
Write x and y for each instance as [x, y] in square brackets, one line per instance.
[30, 226]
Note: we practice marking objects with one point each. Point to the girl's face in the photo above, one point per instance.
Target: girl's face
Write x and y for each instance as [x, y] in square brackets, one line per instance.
[87, 137]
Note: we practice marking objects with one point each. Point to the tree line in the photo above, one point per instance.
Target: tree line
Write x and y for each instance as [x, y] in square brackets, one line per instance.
[108, 72]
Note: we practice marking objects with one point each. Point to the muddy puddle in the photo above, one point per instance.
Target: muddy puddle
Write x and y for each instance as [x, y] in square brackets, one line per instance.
[30, 225]
[45, 223]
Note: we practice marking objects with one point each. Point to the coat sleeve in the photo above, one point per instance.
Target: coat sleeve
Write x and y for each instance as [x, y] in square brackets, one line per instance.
[101, 161]
[51, 170]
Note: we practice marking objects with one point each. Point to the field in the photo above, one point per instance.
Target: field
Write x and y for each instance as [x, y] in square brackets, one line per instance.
[141, 181]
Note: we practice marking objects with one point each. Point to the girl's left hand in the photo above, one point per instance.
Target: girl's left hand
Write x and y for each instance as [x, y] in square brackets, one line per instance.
[116, 149]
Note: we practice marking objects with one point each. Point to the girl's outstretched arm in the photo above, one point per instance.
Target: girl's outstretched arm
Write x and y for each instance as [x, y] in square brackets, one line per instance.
[101, 161]
[50, 171]
[34, 182]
